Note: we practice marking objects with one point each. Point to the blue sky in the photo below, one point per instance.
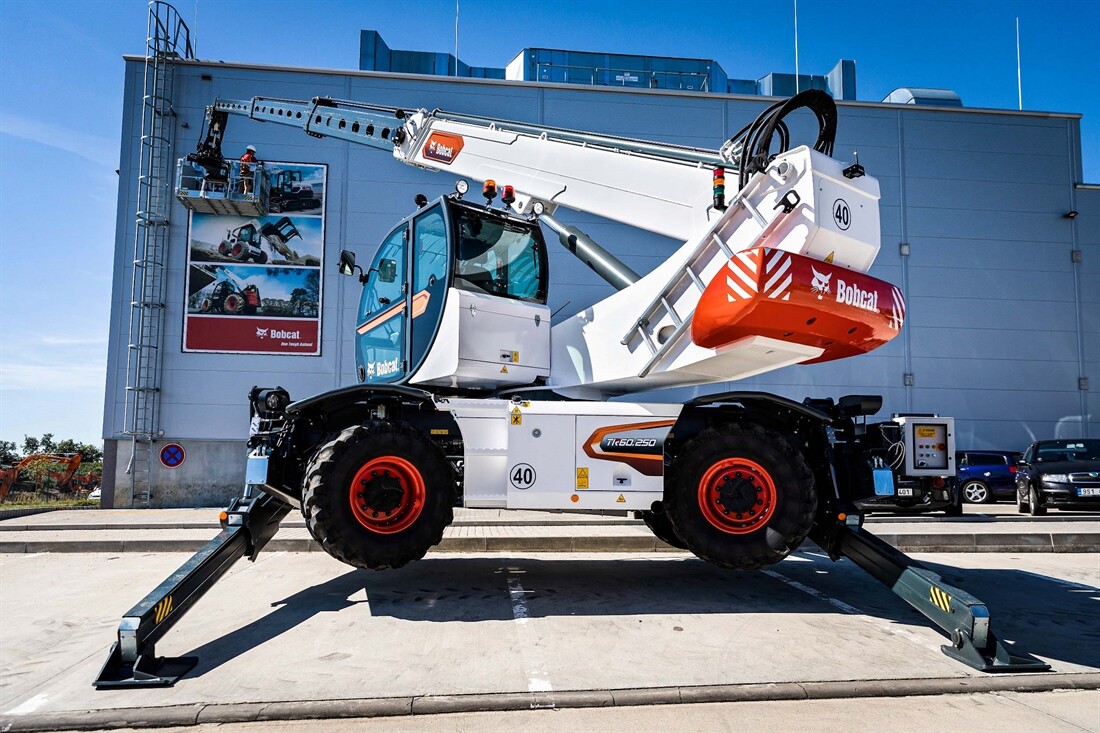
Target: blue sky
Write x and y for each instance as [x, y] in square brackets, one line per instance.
[61, 74]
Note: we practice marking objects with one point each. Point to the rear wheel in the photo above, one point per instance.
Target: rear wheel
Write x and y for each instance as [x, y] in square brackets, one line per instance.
[975, 492]
[378, 496]
[1035, 503]
[740, 497]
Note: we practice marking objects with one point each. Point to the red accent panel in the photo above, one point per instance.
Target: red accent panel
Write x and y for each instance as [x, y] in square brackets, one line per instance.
[264, 335]
[442, 147]
[790, 297]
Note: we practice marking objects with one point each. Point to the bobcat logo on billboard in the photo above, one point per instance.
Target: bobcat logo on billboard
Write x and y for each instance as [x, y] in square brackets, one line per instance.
[442, 147]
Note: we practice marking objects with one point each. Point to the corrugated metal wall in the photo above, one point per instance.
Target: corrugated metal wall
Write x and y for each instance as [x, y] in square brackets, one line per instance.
[1000, 323]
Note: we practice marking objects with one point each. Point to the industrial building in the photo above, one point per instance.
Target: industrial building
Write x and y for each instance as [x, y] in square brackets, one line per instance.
[987, 228]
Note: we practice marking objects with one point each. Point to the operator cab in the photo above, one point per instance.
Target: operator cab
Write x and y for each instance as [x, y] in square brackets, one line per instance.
[455, 297]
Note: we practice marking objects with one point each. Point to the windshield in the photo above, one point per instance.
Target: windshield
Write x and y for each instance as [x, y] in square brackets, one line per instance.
[498, 257]
[1068, 450]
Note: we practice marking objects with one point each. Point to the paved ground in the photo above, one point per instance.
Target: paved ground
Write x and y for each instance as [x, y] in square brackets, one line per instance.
[300, 632]
[297, 634]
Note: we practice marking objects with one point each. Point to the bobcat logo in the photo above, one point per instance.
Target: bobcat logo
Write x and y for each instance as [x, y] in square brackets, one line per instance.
[820, 285]
[261, 333]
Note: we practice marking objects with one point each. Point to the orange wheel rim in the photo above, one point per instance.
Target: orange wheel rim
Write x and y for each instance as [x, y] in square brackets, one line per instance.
[387, 495]
[737, 496]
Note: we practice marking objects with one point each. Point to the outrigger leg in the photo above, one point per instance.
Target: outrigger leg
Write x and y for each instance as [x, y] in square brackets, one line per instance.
[961, 615]
[247, 526]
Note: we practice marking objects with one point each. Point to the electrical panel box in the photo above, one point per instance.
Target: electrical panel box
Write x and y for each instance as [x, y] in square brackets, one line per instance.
[929, 445]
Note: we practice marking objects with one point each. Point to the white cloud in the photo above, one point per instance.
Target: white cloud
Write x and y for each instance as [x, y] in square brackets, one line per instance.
[98, 149]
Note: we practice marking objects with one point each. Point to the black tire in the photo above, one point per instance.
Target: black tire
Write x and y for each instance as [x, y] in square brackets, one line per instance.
[399, 460]
[1035, 503]
[661, 528]
[744, 468]
[233, 304]
[1021, 504]
[976, 492]
[261, 258]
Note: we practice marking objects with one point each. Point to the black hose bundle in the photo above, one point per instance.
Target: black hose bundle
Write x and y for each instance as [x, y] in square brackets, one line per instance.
[757, 136]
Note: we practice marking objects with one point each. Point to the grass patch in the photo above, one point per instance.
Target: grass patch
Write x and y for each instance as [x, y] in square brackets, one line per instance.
[36, 501]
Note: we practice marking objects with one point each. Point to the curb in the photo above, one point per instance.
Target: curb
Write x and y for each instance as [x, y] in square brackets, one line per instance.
[28, 512]
[195, 714]
[963, 543]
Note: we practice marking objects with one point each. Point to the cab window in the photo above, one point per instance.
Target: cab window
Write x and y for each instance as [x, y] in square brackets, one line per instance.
[498, 257]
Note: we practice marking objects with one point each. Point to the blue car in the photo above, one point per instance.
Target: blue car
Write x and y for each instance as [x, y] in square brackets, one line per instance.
[986, 475]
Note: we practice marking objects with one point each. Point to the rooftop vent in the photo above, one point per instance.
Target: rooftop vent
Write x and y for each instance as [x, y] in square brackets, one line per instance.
[916, 95]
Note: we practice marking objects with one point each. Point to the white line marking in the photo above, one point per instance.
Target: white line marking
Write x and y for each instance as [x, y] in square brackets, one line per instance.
[536, 670]
[852, 610]
[28, 706]
[1066, 583]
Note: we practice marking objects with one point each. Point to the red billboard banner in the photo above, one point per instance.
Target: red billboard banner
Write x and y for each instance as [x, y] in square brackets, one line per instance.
[253, 335]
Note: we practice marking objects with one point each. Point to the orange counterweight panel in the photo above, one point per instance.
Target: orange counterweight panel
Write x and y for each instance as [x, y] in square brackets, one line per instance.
[786, 296]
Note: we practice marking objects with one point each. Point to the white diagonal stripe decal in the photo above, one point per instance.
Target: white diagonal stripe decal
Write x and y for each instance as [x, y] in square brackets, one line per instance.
[779, 273]
[782, 288]
[749, 280]
[747, 260]
[736, 288]
[775, 256]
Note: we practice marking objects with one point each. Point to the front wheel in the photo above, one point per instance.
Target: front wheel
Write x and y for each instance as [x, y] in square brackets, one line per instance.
[378, 496]
[1035, 503]
[975, 492]
[741, 497]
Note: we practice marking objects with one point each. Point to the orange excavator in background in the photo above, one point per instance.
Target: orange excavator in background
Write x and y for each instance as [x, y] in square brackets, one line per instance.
[63, 476]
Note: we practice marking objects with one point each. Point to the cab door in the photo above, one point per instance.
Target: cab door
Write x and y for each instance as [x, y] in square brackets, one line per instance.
[430, 261]
[382, 311]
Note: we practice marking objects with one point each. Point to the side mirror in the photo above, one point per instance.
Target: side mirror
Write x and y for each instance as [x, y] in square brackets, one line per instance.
[387, 270]
[1021, 464]
[347, 262]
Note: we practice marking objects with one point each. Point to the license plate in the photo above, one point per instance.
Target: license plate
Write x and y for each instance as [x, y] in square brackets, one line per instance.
[1088, 492]
[905, 492]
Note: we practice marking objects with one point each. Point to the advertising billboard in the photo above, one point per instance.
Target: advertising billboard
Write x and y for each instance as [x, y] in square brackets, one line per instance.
[254, 284]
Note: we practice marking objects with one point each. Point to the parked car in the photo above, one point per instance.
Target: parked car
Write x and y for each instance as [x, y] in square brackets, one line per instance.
[1059, 473]
[986, 475]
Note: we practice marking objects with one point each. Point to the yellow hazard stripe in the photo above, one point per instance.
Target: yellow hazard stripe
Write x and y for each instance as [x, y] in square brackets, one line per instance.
[162, 609]
[940, 598]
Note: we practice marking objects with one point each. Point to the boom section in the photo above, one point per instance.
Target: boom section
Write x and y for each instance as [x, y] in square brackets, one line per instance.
[658, 187]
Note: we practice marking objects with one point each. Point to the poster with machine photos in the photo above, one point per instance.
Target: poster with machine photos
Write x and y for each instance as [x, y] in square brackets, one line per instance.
[254, 283]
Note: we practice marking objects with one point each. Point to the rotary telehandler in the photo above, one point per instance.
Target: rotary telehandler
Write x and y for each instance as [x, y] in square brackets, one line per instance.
[468, 395]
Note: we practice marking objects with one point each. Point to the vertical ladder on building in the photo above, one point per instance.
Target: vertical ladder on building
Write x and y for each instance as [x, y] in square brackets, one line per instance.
[167, 41]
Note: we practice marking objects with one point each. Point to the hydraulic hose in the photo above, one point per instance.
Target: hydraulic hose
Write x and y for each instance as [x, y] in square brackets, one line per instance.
[756, 137]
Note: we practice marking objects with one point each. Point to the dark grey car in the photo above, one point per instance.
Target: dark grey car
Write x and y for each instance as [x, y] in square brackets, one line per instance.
[1061, 474]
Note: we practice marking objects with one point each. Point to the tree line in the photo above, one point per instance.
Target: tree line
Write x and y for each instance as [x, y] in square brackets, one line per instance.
[10, 453]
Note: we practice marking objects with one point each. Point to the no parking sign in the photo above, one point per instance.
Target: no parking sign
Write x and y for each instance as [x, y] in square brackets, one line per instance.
[172, 455]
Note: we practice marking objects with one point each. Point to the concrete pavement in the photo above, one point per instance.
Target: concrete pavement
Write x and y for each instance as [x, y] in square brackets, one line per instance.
[551, 609]
[300, 636]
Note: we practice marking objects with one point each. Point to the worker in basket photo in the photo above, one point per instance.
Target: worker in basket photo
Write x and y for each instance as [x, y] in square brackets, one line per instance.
[247, 159]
